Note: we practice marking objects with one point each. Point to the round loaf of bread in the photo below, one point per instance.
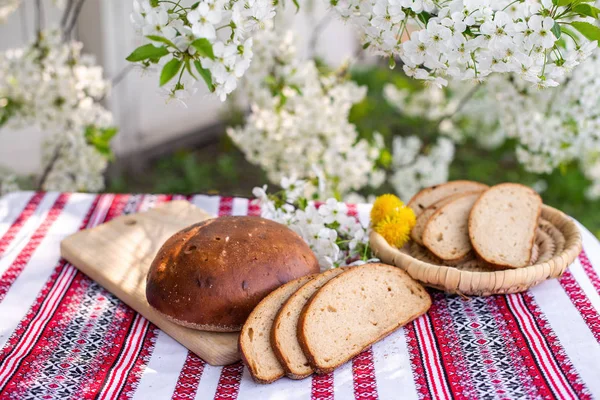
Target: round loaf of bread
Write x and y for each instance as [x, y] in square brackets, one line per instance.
[211, 275]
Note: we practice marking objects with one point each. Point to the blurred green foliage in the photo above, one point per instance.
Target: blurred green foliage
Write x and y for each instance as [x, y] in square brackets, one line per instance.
[221, 168]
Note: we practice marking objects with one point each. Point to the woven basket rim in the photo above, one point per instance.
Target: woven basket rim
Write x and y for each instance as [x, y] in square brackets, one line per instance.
[453, 280]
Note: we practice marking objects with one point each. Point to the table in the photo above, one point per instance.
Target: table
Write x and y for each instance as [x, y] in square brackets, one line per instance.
[62, 335]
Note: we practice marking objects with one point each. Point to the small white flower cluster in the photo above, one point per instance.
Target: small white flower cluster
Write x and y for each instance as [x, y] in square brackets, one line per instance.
[78, 166]
[416, 166]
[335, 237]
[211, 39]
[298, 123]
[50, 84]
[471, 39]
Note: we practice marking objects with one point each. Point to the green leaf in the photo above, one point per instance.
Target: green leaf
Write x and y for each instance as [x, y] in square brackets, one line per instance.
[206, 75]
[424, 17]
[302, 203]
[195, 5]
[556, 30]
[297, 5]
[154, 3]
[147, 51]
[562, 3]
[161, 39]
[366, 45]
[592, 32]
[392, 63]
[385, 158]
[189, 68]
[586, 10]
[204, 48]
[108, 133]
[170, 70]
[100, 138]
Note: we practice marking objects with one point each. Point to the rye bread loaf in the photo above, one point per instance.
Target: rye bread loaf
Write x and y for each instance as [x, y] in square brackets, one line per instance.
[446, 234]
[416, 233]
[433, 194]
[255, 337]
[284, 337]
[502, 224]
[354, 310]
[211, 275]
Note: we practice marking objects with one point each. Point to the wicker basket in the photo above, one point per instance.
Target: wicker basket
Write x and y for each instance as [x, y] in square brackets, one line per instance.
[558, 243]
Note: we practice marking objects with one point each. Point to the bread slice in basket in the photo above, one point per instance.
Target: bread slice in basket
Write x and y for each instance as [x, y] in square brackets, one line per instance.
[502, 224]
[446, 234]
[356, 309]
[255, 337]
[284, 339]
[432, 195]
[416, 233]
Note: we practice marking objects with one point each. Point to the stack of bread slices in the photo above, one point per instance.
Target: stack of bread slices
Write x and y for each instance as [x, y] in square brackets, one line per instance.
[461, 220]
[315, 323]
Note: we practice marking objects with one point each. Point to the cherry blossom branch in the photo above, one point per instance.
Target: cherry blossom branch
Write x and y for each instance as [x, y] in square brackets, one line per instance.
[39, 18]
[49, 167]
[66, 13]
[463, 101]
[73, 20]
[121, 75]
[317, 30]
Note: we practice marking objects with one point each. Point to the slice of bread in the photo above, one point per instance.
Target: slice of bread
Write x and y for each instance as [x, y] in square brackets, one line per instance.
[446, 234]
[417, 231]
[255, 337]
[431, 195]
[356, 309]
[502, 224]
[284, 339]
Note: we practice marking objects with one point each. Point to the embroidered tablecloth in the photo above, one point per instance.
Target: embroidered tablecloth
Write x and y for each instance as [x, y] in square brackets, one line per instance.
[63, 336]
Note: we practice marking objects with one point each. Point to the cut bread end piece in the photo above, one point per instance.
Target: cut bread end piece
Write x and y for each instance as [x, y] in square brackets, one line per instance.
[502, 225]
[416, 233]
[433, 194]
[284, 339]
[356, 309]
[446, 234]
[255, 343]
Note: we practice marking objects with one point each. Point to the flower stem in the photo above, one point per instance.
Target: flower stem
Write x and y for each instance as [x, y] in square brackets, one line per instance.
[49, 167]
[39, 19]
[73, 20]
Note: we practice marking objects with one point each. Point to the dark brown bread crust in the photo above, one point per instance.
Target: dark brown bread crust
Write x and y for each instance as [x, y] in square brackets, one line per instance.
[212, 274]
[302, 335]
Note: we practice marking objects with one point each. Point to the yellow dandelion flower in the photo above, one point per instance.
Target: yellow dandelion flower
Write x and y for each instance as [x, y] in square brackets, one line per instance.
[385, 205]
[396, 228]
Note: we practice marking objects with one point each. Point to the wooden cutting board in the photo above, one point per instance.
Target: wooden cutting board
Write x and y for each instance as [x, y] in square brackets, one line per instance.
[118, 254]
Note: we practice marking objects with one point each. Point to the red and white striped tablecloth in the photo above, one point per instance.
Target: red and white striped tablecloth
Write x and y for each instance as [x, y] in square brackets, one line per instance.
[64, 336]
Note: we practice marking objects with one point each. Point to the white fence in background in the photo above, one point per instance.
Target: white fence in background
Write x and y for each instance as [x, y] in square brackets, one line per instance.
[143, 117]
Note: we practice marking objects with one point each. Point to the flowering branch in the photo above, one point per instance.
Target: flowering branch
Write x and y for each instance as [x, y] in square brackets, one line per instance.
[66, 13]
[49, 83]
[463, 101]
[49, 167]
[39, 18]
[184, 42]
[336, 237]
[316, 32]
[70, 25]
